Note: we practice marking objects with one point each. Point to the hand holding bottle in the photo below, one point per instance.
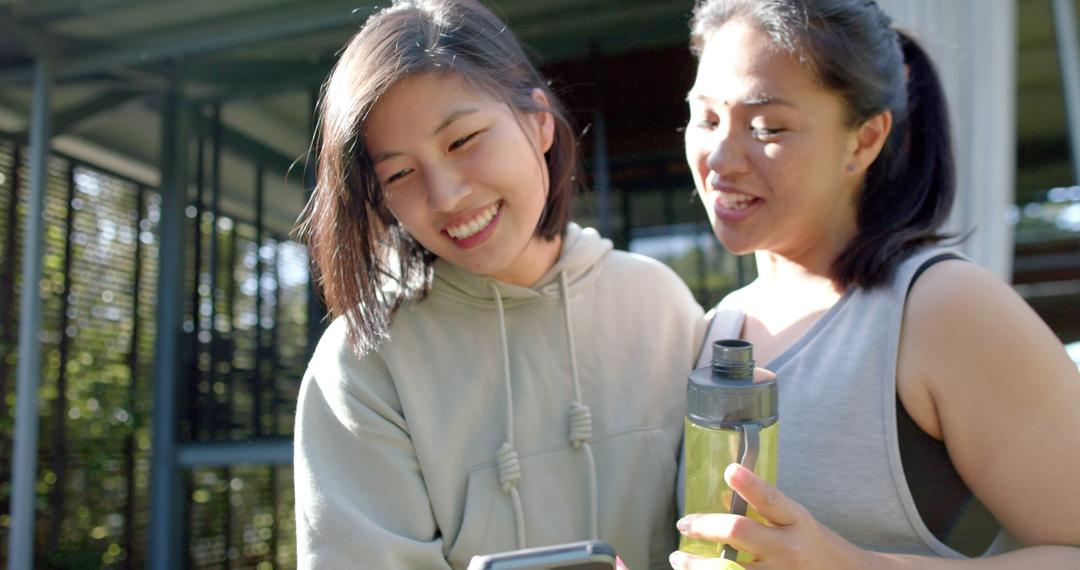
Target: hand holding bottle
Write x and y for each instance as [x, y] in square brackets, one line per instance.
[791, 538]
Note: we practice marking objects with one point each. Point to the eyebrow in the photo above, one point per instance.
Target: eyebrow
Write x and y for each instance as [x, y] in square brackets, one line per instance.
[453, 116]
[760, 100]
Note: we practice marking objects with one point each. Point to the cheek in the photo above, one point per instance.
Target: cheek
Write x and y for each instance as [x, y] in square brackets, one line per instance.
[406, 207]
[696, 157]
[774, 151]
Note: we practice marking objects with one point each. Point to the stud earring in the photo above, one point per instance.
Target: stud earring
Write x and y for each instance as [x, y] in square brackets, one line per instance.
[851, 168]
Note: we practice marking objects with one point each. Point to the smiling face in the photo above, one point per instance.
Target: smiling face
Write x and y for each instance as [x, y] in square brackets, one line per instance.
[465, 174]
[770, 150]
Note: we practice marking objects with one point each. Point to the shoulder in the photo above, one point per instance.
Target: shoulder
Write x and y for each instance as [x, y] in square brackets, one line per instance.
[965, 332]
[732, 305]
[957, 296]
[344, 376]
[644, 279]
[993, 382]
[636, 262]
[645, 271]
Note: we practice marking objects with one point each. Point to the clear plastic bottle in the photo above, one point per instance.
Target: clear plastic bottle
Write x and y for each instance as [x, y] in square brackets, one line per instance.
[731, 418]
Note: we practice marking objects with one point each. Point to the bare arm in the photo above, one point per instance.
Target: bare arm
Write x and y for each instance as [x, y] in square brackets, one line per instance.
[979, 370]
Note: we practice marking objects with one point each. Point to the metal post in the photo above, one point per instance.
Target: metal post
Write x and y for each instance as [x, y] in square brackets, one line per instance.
[28, 374]
[133, 395]
[164, 480]
[601, 174]
[1069, 55]
[256, 384]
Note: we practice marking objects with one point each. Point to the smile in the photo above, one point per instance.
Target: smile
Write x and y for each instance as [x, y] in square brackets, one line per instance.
[735, 202]
[476, 225]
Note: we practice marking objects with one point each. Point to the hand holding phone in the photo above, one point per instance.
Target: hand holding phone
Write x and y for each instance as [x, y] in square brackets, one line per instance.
[585, 555]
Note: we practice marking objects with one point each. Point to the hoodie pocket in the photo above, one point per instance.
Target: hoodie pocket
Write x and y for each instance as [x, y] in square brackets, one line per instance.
[636, 483]
[554, 497]
[479, 492]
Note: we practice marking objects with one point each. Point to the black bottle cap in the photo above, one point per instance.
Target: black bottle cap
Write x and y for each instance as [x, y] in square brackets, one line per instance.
[725, 394]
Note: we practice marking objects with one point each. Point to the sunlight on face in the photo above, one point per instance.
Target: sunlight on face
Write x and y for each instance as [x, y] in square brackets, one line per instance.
[768, 147]
[464, 174]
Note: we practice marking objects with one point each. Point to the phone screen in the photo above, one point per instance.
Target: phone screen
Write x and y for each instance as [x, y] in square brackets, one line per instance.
[585, 555]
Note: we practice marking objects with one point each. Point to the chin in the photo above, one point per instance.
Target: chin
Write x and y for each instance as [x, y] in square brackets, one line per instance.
[735, 243]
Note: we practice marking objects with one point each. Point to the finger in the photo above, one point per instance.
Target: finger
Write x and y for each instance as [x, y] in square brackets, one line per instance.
[683, 561]
[619, 564]
[763, 374]
[742, 533]
[773, 505]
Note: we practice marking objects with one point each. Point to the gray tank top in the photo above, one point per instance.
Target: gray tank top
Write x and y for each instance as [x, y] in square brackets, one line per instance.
[839, 454]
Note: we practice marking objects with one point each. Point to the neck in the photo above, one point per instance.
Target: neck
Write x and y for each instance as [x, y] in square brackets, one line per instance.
[811, 267]
[811, 262]
[776, 271]
[539, 256]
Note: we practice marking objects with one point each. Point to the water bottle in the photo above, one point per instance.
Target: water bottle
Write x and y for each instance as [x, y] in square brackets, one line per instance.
[731, 418]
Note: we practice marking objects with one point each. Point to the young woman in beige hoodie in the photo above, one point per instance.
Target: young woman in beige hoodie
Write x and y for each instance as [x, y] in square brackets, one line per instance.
[495, 377]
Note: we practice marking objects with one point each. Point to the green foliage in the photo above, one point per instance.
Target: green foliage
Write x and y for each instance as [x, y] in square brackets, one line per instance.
[98, 309]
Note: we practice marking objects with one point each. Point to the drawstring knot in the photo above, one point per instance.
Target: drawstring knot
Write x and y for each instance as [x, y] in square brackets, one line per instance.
[509, 467]
[580, 424]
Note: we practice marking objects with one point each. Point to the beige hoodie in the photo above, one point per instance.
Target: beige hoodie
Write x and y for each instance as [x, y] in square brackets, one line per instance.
[500, 417]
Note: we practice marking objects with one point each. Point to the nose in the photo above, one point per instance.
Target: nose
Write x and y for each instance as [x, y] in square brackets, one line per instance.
[446, 188]
[727, 155]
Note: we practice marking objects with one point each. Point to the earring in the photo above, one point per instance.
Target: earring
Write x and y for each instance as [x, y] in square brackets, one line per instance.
[851, 168]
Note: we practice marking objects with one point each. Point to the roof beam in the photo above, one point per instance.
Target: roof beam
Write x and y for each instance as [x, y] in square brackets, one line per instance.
[199, 38]
[242, 144]
[61, 9]
[68, 118]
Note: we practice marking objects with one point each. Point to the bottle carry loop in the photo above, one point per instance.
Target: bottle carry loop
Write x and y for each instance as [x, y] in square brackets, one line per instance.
[750, 444]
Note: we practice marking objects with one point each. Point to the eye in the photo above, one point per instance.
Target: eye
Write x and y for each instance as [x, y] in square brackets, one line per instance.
[461, 142]
[704, 121]
[765, 133]
[397, 176]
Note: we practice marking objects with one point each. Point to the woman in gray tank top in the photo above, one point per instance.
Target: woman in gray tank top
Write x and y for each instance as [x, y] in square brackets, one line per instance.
[819, 141]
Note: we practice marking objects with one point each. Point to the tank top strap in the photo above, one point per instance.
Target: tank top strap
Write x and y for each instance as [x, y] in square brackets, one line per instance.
[725, 321]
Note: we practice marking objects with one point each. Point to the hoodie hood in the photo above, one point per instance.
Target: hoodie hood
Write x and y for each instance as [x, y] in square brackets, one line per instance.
[582, 250]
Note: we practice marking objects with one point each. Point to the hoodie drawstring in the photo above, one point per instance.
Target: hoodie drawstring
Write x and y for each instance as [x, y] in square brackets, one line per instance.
[580, 421]
[580, 416]
[507, 459]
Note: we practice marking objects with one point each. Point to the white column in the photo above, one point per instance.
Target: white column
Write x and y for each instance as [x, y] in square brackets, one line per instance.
[973, 44]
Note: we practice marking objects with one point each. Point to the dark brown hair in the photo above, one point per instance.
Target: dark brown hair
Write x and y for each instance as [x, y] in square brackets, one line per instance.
[363, 262]
[852, 48]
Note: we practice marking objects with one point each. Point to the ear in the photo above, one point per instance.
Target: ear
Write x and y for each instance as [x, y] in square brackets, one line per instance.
[868, 140]
[543, 120]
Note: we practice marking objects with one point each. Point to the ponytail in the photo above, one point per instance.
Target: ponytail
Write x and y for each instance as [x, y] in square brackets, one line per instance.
[910, 188]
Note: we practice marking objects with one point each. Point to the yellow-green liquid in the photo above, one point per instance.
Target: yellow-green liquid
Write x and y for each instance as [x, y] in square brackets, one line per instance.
[708, 453]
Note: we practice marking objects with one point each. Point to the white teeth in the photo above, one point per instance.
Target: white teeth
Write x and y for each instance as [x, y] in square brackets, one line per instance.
[473, 226]
[734, 201]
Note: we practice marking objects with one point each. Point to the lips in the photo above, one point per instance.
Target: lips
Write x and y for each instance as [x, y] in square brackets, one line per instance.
[735, 201]
[473, 228]
[474, 225]
[732, 205]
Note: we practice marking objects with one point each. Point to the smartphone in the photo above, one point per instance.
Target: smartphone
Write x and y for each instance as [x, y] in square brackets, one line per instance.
[585, 555]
